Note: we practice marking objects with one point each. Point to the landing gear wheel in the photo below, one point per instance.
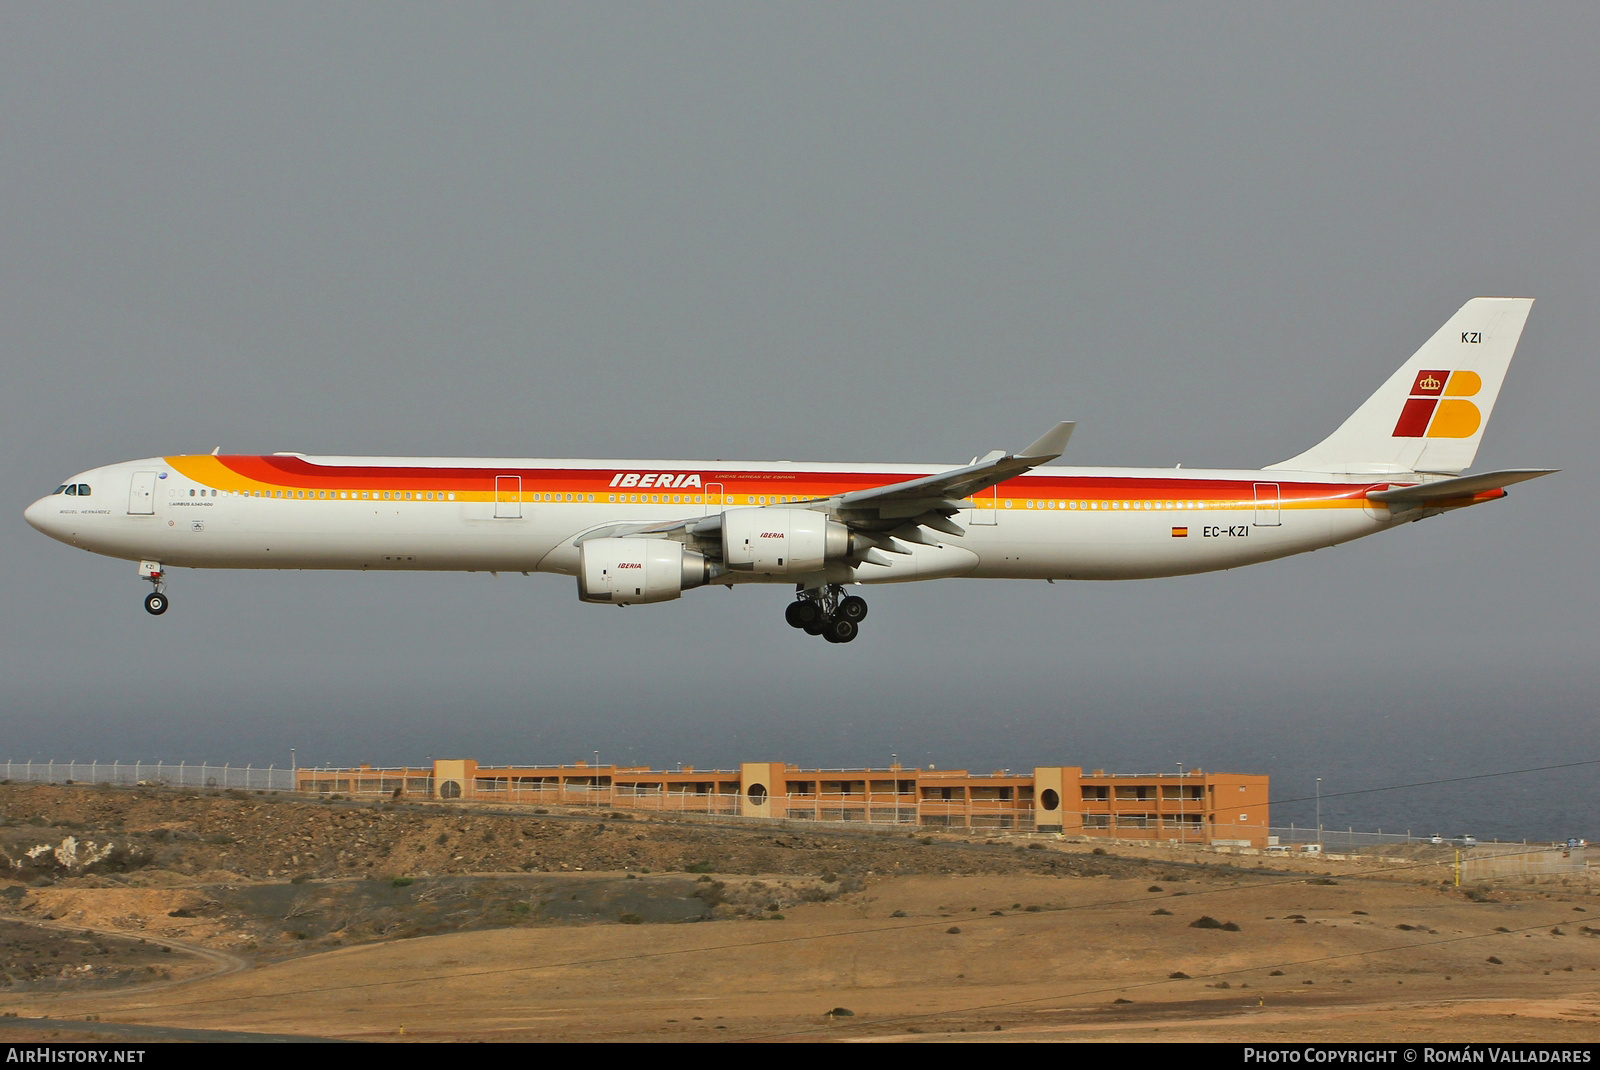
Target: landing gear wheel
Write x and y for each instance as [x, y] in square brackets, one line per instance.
[155, 603]
[800, 614]
[853, 608]
[827, 611]
[840, 630]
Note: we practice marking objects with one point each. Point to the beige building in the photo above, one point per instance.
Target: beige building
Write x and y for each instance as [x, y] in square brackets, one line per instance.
[1194, 807]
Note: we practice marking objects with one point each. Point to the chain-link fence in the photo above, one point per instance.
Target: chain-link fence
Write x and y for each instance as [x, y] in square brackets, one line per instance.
[1532, 863]
[1349, 839]
[153, 774]
[1343, 839]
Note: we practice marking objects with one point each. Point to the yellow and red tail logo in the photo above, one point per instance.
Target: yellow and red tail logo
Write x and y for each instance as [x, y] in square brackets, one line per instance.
[1437, 407]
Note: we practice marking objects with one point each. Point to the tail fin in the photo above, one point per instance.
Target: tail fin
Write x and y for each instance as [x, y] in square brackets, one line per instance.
[1430, 415]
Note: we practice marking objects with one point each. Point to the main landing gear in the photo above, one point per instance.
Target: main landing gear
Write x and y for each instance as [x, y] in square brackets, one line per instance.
[155, 603]
[828, 612]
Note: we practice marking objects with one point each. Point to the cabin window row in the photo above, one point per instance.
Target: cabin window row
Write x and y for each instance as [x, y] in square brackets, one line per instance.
[82, 489]
[1045, 504]
[699, 499]
[353, 495]
[657, 499]
[386, 495]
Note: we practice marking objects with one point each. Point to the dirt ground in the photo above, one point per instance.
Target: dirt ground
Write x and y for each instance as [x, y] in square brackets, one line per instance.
[171, 912]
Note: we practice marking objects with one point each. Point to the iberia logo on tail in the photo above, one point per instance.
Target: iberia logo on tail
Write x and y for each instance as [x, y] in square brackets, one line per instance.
[1437, 407]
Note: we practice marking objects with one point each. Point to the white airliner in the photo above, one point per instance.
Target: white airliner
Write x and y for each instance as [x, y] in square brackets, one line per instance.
[646, 531]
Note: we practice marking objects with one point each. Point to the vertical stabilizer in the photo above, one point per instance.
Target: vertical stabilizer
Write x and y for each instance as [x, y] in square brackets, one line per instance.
[1430, 415]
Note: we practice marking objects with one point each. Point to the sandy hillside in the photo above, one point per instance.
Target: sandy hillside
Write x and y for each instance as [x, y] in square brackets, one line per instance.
[435, 923]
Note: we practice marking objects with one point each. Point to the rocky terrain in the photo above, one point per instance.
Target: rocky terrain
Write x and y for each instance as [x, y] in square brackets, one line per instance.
[165, 914]
[270, 875]
[147, 837]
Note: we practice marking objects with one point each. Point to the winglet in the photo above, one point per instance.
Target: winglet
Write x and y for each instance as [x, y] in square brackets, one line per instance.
[1051, 444]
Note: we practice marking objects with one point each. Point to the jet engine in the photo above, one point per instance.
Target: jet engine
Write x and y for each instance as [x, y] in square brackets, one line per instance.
[781, 540]
[623, 571]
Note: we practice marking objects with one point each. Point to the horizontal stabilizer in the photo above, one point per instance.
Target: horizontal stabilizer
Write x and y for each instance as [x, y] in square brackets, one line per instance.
[1460, 487]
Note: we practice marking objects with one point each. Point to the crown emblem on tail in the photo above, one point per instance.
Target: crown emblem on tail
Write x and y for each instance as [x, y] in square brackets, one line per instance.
[1425, 415]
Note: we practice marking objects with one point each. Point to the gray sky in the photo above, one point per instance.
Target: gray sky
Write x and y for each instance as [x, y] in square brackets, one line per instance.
[823, 232]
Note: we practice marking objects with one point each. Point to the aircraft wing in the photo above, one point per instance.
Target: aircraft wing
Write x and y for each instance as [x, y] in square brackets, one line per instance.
[1425, 494]
[883, 517]
[943, 491]
[886, 516]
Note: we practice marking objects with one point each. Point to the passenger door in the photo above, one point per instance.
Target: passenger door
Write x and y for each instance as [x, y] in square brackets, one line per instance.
[1268, 504]
[508, 497]
[142, 494]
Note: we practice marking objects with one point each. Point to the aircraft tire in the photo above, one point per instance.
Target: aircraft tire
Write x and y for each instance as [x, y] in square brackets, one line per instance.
[853, 608]
[841, 630]
[816, 626]
[155, 603]
[799, 614]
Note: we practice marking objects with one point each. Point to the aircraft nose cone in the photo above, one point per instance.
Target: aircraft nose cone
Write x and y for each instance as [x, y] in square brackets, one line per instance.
[40, 515]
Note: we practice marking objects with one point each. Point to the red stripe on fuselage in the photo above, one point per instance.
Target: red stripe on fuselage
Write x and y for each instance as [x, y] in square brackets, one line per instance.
[297, 472]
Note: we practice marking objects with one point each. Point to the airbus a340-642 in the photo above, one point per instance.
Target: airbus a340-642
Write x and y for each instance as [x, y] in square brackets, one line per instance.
[646, 530]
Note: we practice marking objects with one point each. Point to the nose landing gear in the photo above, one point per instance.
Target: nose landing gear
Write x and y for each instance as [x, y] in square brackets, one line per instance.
[155, 603]
[828, 612]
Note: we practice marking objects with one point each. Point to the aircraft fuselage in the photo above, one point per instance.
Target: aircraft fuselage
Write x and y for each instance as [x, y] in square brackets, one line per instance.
[295, 512]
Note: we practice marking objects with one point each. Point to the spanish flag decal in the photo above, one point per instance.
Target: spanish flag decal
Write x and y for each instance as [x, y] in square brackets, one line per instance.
[1180, 533]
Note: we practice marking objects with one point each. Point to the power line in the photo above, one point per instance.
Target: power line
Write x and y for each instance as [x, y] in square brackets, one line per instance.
[1431, 783]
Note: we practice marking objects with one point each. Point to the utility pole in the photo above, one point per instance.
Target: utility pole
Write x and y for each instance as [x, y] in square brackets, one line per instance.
[894, 785]
[1181, 829]
[1319, 815]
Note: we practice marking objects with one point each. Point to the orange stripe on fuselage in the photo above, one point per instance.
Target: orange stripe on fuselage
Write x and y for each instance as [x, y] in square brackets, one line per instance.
[254, 473]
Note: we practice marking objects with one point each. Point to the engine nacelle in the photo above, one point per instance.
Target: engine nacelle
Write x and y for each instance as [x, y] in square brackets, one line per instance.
[623, 571]
[781, 540]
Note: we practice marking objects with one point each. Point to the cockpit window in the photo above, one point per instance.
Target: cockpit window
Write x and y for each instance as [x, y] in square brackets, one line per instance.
[83, 490]
[60, 490]
[72, 488]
